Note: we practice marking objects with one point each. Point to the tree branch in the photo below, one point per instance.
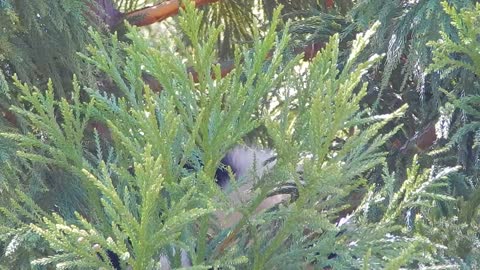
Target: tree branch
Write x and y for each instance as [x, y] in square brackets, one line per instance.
[309, 52]
[160, 12]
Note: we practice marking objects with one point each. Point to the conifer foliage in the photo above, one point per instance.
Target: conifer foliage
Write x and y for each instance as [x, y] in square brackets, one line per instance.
[115, 166]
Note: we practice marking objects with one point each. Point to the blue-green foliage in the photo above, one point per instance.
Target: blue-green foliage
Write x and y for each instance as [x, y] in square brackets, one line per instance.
[39, 40]
[452, 53]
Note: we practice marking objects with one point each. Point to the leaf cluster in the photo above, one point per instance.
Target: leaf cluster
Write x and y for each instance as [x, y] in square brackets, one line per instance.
[147, 187]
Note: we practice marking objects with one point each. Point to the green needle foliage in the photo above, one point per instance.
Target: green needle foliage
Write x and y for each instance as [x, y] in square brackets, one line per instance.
[39, 41]
[142, 184]
[453, 53]
[466, 23]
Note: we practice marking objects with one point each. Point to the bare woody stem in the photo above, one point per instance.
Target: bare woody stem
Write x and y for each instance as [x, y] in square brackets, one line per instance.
[160, 12]
[309, 52]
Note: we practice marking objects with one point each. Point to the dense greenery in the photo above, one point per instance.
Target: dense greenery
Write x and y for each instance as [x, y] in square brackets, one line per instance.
[110, 140]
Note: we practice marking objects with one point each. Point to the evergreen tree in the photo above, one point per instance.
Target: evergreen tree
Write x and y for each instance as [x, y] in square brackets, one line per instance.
[95, 164]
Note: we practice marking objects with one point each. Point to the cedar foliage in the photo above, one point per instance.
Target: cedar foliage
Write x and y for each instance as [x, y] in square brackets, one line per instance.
[70, 195]
[40, 39]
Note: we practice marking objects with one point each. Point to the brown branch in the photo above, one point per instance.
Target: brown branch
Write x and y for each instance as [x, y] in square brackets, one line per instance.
[329, 4]
[149, 15]
[421, 141]
[225, 68]
[160, 12]
[309, 51]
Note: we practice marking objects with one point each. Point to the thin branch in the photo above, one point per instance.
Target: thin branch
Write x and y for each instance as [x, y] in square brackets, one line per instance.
[309, 52]
[421, 141]
[159, 12]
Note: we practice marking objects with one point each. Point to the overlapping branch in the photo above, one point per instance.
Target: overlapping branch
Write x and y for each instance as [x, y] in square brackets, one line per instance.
[159, 12]
[156, 13]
